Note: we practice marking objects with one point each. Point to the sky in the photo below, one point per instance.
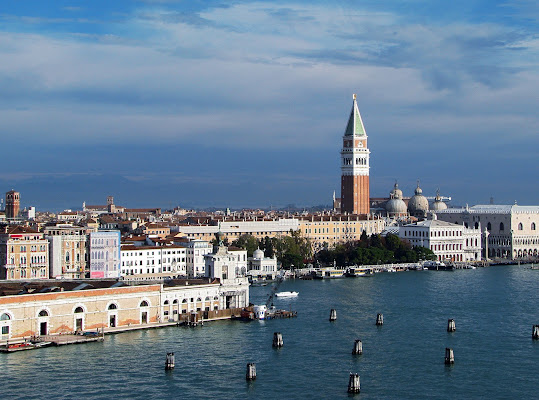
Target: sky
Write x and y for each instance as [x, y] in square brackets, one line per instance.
[237, 104]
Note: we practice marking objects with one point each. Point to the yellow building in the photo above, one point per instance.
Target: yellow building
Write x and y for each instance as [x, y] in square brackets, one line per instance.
[233, 229]
[331, 229]
[334, 229]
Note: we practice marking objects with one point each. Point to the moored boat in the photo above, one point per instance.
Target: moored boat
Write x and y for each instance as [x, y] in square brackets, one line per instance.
[12, 347]
[355, 271]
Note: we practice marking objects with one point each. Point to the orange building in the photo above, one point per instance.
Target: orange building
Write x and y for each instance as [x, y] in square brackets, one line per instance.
[355, 166]
[24, 254]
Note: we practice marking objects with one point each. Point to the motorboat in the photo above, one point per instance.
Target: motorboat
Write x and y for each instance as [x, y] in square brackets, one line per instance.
[286, 294]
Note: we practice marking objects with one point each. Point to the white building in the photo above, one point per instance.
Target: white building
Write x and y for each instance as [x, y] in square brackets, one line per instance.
[68, 257]
[225, 265]
[448, 241]
[261, 267]
[28, 213]
[512, 229]
[144, 260]
[195, 252]
[234, 229]
[105, 254]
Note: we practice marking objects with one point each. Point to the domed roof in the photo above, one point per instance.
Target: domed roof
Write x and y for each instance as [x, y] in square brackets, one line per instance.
[259, 254]
[438, 203]
[396, 206]
[418, 202]
[396, 193]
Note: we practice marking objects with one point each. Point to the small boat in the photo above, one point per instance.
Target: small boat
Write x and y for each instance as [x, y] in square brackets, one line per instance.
[438, 266]
[10, 348]
[287, 294]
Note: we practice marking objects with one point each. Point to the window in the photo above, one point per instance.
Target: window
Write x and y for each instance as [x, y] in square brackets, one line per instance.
[113, 306]
[43, 313]
[5, 317]
[489, 227]
[533, 226]
[79, 310]
[520, 226]
[501, 226]
[144, 303]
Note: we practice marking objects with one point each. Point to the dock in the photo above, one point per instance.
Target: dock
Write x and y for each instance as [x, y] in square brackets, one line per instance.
[281, 314]
[61, 340]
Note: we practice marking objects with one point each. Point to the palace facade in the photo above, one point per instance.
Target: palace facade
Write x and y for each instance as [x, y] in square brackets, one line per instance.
[56, 307]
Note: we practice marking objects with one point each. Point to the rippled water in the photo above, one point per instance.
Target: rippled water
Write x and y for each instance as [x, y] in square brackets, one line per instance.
[495, 357]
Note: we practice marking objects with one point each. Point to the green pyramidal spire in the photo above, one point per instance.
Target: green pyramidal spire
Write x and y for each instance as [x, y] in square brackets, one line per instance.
[355, 124]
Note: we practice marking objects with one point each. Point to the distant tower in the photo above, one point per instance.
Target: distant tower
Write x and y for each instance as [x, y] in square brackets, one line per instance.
[355, 166]
[13, 204]
[111, 208]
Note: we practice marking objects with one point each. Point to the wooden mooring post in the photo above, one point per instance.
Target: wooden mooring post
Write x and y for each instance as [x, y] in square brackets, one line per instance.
[449, 356]
[354, 385]
[250, 374]
[535, 332]
[358, 348]
[169, 362]
[451, 327]
[277, 339]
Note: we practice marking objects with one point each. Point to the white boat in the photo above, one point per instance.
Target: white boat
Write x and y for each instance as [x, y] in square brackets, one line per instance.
[260, 312]
[287, 294]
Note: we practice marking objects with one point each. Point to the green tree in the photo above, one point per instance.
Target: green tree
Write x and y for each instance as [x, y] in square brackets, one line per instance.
[364, 239]
[423, 253]
[292, 249]
[247, 242]
[267, 246]
[376, 241]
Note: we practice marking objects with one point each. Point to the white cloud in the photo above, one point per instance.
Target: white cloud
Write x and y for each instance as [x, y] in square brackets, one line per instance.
[253, 75]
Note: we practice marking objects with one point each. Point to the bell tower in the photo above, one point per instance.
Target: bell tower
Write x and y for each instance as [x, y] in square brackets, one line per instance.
[355, 166]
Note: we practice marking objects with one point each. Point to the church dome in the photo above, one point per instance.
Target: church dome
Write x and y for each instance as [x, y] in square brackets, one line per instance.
[438, 203]
[396, 206]
[418, 203]
[258, 254]
[396, 193]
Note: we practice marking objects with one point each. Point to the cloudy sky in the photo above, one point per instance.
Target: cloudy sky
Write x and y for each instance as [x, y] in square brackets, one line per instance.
[243, 104]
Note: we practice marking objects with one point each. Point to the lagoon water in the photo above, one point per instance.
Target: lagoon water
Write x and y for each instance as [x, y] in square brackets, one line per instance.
[494, 310]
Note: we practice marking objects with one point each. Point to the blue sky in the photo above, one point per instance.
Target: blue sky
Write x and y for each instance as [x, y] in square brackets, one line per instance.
[243, 104]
